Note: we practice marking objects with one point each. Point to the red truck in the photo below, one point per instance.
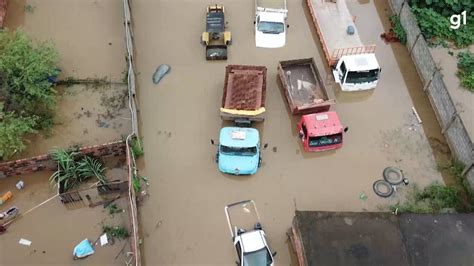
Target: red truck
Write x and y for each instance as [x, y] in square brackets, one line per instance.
[319, 129]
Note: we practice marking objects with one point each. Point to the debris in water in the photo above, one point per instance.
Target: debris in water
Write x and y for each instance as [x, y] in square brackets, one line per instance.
[83, 249]
[416, 115]
[275, 149]
[363, 196]
[24, 242]
[103, 240]
[160, 72]
[6, 197]
[20, 184]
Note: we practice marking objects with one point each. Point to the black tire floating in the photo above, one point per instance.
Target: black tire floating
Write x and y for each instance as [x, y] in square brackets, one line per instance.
[393, 175]
[384, 193]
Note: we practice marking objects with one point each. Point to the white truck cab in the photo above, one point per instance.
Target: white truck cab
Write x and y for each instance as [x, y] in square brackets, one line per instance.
[357, 72]
[270, 23]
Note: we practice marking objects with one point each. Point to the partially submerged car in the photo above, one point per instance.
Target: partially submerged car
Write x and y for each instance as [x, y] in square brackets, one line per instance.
[250, 243]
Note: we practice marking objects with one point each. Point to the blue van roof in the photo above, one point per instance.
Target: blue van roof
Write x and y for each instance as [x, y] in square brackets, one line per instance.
[239, 137]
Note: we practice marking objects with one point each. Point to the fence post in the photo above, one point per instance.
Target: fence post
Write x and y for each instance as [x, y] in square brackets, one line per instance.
[450, 122]
[427, 84]
[414, 43]
[401, 8]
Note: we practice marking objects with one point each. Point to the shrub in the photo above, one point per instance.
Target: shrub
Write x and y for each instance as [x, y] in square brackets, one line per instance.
[466, 70]
[398, 29]
[13, 128]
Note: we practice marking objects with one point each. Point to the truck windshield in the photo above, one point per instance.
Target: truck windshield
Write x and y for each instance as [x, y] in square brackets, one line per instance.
[246, 151]
[271, 27]
[260, 257]
[325, 140]
[362, 76]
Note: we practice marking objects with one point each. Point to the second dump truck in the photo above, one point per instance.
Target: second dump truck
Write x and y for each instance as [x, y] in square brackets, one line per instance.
[318, 128]
[354, 65]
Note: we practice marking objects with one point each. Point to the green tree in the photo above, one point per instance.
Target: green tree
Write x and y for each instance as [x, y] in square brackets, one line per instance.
[26, 67]
[27, 96]
[13, 128]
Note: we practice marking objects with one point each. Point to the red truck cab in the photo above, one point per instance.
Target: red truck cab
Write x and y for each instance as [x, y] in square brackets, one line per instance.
[321, 131]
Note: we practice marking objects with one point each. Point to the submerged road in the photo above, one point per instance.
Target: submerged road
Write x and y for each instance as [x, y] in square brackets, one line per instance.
[183, 219]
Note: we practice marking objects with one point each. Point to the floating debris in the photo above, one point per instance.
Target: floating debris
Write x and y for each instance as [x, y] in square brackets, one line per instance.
[160, 72]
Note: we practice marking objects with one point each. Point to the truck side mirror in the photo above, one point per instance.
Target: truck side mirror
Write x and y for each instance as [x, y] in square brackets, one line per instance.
[265, 145]
[254, 22]
[346, 129]
[287, 26]
[274, 254]
[212, 142]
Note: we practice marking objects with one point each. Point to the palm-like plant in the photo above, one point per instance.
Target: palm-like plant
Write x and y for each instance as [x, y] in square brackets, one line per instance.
[72, 171]
[66, 173]
[89, 167]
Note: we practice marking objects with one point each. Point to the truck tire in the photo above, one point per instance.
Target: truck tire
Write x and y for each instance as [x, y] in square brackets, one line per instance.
[383, 188]
[393, 175]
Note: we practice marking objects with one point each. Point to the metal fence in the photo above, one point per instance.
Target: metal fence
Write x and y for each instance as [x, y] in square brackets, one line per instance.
[451, 123]
[132, 168]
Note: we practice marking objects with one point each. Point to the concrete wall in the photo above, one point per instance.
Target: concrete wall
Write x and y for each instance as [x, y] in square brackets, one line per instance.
[44, 162]
[452, 125]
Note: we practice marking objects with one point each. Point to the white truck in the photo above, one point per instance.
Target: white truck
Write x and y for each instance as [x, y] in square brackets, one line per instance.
[249, 239]
[354, 65]
[270, 23]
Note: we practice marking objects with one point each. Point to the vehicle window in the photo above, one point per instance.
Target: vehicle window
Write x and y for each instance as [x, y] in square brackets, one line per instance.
[343, 68]
[271, 27]
[325, 140]
[246, 151]
[260, 257]
[362, 76]
[305, 131]
[239, 250]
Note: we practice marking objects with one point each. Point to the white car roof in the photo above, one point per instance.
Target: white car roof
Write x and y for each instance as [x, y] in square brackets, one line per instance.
[252, 241]
[361, 62]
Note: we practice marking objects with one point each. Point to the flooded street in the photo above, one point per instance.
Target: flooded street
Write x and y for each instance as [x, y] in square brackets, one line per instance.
[183, 219]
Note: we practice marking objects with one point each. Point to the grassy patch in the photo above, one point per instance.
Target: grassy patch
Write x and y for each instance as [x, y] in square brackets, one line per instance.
[137, 147]
[434, 198]
[438, 198]
[466, 70]
[118, 232]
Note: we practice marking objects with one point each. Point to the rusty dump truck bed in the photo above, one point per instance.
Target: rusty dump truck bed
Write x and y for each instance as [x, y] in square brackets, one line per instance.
[244, 93]
[304, 89]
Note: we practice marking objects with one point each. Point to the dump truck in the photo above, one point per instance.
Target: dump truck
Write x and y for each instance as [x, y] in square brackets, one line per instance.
[270, 23]
[353, 64]
[243, 99]
[318, 128]
[238, 150]
[216, 38]
[249, 239]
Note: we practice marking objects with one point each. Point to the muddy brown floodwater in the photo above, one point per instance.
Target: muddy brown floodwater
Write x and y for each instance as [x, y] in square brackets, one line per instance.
[183, 220]
[89, 37]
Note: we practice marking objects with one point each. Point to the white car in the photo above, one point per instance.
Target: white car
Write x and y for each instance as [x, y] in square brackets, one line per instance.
[251, 245]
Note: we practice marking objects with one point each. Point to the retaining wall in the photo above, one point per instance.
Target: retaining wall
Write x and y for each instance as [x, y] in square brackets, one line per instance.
[451, 123]
[44, 162]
